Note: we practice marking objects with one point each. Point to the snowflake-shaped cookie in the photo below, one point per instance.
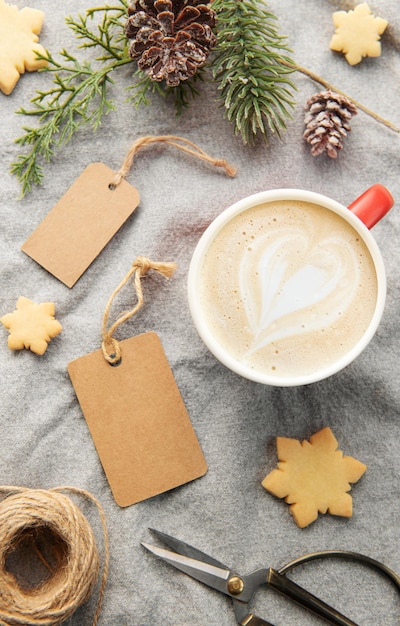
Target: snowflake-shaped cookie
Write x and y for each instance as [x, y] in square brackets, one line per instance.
[314, 477]
[18, 42]
[31, 325]
[357, 33]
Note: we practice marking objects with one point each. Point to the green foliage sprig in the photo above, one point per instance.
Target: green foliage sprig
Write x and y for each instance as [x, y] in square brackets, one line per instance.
[251, 67]
[248, 67]
[78, 95]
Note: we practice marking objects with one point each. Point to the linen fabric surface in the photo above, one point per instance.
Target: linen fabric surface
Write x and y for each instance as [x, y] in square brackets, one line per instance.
[44, 439]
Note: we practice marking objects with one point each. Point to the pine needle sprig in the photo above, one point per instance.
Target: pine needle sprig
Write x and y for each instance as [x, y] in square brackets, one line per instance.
[185, 91]
[252, 67]
[181, 95]
[249, 68]
[78, 95]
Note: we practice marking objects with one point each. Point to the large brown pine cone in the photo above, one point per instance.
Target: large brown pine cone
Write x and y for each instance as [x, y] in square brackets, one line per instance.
[327, 122]
[171, 39]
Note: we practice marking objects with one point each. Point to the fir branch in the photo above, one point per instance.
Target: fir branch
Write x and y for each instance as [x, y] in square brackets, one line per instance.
[78, 96]
[252, 79]
[182, 94]
[140, 89]
[185, 91]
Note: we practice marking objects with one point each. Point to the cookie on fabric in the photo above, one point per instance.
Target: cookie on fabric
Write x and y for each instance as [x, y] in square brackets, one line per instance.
[357, 33]
[314, 477]
[31, 325]
[19, 30]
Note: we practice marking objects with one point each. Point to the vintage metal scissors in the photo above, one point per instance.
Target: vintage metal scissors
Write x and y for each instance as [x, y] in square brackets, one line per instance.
[240, 589]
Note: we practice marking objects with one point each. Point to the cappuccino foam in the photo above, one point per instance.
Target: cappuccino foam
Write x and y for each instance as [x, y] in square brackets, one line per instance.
[288, 287]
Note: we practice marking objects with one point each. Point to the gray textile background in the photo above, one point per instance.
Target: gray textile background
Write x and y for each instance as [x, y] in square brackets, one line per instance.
[44, 440]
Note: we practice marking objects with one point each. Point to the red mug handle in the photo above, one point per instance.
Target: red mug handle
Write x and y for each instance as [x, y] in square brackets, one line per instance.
[372, 205]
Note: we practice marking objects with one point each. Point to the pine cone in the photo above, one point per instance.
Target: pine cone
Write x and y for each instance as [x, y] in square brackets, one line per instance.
[327, 120]
[171, 39]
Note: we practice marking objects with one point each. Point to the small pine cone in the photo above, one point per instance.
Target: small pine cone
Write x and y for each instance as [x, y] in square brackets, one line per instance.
[327, 121]
[171, 39]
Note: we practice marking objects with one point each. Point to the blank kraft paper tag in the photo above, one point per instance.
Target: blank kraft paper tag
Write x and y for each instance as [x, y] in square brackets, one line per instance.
[138, 420]
[81, 224]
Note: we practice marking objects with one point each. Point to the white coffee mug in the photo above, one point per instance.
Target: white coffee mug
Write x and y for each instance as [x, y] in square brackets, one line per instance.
[286, 287]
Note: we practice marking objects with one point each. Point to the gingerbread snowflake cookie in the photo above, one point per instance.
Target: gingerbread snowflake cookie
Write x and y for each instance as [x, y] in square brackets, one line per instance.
[19, 30]
[314, 477]
[357, 33]
[31, 325]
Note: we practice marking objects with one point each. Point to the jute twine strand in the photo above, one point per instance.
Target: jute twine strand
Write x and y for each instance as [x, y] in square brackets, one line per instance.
[140, 267]
[172, 140]
[71, 581]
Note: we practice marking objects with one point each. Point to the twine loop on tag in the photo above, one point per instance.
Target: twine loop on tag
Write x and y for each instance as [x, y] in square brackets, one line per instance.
[140, 267]
[54, 529]
[172, 140]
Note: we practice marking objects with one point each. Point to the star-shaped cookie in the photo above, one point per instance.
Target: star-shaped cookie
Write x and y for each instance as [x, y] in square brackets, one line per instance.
[19, 31]
[314, 477]
[357, 33]
[31, 325]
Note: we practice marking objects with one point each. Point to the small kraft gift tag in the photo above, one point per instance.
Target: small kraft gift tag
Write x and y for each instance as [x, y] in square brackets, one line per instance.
[134, 410]
[93, 209]
[82, 223]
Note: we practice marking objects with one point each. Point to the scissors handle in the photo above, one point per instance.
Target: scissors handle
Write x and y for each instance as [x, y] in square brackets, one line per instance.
[281, 583]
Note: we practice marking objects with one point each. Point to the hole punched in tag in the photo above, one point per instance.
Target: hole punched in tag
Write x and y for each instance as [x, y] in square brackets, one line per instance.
[115, 361]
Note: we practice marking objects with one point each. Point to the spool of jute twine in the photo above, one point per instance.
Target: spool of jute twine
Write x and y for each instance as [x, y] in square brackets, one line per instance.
[48, 523]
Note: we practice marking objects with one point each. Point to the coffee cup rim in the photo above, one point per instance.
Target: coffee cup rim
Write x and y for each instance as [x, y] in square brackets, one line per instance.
[250, 202]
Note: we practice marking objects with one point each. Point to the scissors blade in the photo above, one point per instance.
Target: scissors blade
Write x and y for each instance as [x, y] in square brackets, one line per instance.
[185, 549]
[207, 573]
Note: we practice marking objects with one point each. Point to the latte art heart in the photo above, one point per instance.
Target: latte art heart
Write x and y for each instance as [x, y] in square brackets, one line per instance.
[288, 287]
